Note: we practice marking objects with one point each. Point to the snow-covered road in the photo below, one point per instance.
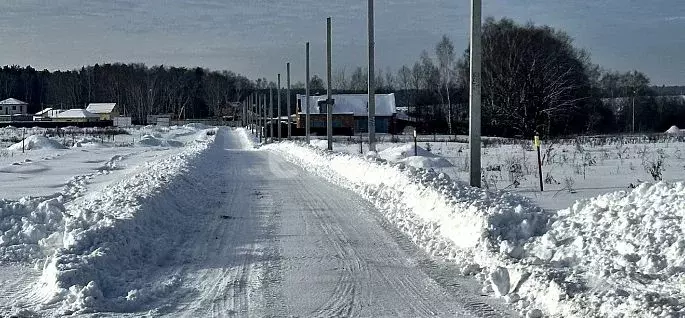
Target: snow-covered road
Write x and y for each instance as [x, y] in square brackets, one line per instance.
[279, 241]
[222, 229]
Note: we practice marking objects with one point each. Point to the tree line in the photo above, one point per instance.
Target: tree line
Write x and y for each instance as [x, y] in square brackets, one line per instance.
[138, 89]
[534, 80]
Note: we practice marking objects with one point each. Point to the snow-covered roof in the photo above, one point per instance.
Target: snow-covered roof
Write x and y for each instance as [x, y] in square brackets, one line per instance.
[101, 108]
[42, 112]
[77, 113]
[352, 103]
[12, 101]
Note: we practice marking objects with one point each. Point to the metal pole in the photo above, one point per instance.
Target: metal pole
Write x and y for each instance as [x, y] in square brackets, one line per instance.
[287, 66]
[306, 92]
[633, 129]
[329, 104]
[474, 96]
[278, 112]
[271, 113]
[372, 85]
[260, 108]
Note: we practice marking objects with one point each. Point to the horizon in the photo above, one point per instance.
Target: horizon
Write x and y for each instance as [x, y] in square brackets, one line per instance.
[255, 40]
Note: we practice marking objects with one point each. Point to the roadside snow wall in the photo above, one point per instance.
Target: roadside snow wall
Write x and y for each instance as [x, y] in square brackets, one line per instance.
[125, 232]
[564, 262]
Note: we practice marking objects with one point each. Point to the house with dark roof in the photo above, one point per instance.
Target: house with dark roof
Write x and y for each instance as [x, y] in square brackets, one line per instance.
[349, 111]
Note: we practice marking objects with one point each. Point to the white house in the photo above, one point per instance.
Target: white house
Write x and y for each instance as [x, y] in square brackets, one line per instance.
[106, 111]
[12, 106]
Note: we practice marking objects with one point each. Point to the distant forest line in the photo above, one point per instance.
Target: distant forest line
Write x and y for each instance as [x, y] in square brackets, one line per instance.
[534, 80]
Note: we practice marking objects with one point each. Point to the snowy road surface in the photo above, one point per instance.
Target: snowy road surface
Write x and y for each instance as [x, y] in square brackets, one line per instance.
[281, 242]
[257, 237]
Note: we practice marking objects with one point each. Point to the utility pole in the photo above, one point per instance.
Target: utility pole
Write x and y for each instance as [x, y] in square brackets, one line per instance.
[474, 96]
[634, 93]
[271, 113]
[371, 117]
[287, 66]
[260, 107]
[329, 100]
[306, 92]
[278, 112]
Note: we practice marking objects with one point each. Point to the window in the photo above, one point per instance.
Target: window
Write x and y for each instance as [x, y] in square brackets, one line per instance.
[14, 107]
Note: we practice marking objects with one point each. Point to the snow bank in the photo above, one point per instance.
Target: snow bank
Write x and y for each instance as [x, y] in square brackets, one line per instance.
[406, 154]
[27, 226]
[126, 231]
[614, 256]
[628, 247]
[158, 141]
[36, 142]
[31, 226]
[674, 130]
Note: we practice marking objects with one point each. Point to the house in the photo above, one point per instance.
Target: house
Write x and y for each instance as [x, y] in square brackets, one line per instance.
[354, 105]
[106, 111]
[12, 106]
[46, 114]
[78, 115]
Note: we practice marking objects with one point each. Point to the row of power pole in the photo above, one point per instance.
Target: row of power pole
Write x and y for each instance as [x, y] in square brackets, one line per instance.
[256, 111]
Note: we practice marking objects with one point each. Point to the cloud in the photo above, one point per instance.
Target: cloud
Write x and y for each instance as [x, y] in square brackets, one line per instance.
[675, 18]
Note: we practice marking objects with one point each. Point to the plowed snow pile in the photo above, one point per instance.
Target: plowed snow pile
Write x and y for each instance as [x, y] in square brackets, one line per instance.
[618, 255]
[419, 158]
[105, 241]
[36, 142]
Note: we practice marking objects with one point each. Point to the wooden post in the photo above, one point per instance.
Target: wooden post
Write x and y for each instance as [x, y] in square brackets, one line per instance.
[416, 148]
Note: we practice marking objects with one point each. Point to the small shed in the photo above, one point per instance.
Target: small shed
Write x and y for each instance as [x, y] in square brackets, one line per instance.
[13, 106]
[106, 111]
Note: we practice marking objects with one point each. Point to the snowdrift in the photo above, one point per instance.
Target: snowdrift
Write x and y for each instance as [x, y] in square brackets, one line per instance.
[36, 142]
[158, 141]
[114, 237]
[423, 159]
[618, 255]
[674, 130]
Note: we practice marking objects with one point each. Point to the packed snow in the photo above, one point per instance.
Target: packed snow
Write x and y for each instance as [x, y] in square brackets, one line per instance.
[616, 255]
[35, 142]
[85, 219]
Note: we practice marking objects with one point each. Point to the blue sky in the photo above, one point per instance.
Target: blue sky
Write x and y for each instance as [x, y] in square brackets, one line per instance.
[256, 37]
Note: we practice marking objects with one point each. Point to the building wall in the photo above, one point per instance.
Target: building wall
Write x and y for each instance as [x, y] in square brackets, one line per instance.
[361, 124]
[13, 109]
[319, 120]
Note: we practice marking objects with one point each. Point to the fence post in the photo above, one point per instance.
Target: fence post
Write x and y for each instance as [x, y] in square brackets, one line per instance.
[536, 142]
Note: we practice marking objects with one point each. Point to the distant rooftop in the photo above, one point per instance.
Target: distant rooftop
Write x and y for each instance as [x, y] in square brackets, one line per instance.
[101, 108]
[12, 101]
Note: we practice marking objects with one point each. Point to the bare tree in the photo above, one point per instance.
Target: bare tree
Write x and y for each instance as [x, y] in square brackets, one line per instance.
[444, 50]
